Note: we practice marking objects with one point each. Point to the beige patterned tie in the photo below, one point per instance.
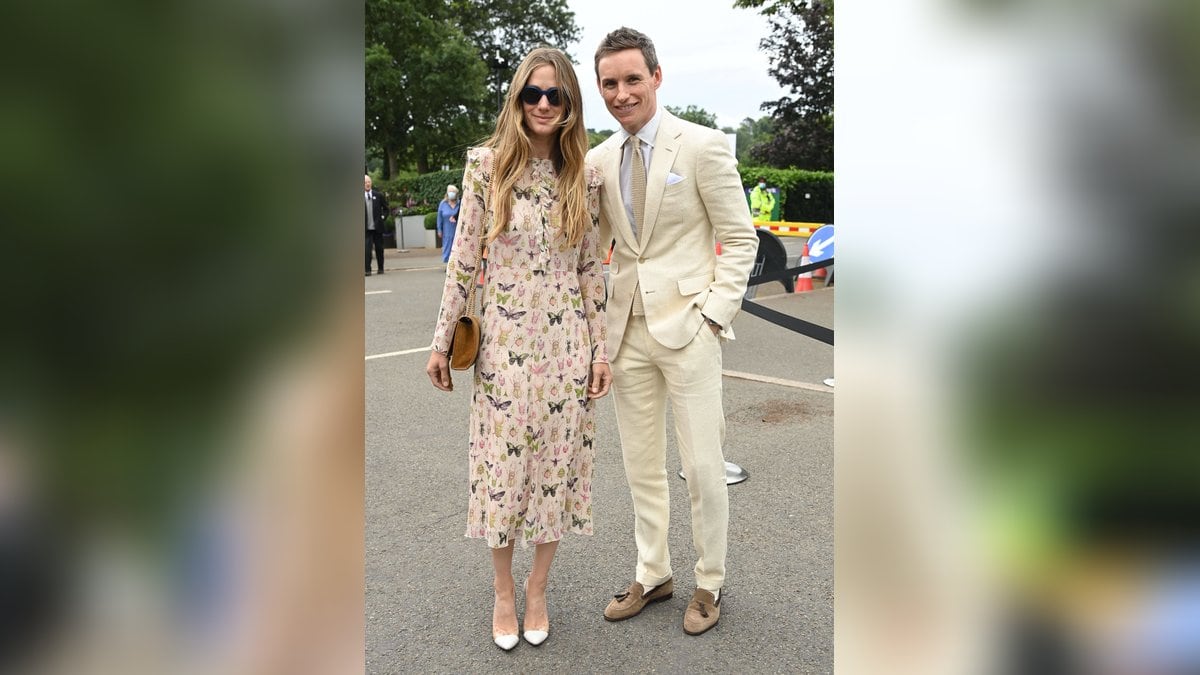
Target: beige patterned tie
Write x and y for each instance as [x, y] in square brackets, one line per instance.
[637, 187]
[637, 195]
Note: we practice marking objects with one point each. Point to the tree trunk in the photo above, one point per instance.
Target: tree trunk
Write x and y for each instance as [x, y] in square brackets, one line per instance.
[422, 162]
[389, 168]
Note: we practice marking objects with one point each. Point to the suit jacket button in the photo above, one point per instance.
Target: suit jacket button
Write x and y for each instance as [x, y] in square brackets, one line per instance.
[641, 260]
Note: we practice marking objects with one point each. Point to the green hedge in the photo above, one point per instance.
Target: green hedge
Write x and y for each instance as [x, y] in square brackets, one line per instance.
[793, 184]
[427, 190]
[431, 221]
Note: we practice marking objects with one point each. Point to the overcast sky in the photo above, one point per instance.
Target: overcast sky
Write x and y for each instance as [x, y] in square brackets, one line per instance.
[708, 52]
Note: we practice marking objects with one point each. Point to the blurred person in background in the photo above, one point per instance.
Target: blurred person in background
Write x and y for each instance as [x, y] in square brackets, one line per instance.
[762, 202]
[375, 217]
[529, 197]
[447, 220]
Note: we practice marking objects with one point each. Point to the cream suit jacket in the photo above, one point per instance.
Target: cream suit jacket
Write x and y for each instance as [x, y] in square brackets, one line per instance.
[694, 198]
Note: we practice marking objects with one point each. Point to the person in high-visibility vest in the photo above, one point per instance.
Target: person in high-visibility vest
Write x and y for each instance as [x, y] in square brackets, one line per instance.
[762, 202]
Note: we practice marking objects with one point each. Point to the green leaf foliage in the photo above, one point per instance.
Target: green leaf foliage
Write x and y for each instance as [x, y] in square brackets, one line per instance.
[435, 69]
[426, 99]
[800, 47]
[694, 114]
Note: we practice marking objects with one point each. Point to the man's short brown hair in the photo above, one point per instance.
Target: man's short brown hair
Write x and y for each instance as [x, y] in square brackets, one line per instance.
[627, 38]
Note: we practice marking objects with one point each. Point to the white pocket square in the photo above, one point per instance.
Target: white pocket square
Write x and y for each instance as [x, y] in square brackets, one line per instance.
[673, 178]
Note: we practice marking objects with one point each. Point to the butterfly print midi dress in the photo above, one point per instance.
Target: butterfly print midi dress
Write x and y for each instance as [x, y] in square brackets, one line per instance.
[543, 325]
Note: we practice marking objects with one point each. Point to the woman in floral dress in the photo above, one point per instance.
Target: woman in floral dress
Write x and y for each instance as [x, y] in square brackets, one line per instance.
[528, 194]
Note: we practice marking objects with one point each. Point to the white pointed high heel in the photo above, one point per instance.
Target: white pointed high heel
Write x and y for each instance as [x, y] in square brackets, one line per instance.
[505, 641]
[535, 637]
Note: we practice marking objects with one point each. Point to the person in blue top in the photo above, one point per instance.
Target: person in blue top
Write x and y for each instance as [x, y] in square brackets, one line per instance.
[447, 220]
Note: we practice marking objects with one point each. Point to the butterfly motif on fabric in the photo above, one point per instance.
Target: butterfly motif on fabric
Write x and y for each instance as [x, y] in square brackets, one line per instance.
[514, 449]
[579, 313]
[576, 521]
[509, 314]
[549, 490]
[600, 305]
[518, 359]
[503, 297]
[557, 406]
[587, 441]
[497, 403]
[555, 317]
[571, 482]
[487, 376]
[589, 265]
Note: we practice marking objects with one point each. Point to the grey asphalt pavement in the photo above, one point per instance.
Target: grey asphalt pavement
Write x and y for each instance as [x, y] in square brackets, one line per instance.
[428, 588]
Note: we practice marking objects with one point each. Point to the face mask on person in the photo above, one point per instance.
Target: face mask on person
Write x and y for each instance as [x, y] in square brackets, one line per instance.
[452, 194]
[762, 186]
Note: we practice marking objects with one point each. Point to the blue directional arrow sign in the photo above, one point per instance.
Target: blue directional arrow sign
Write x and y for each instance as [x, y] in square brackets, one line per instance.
[820, 244]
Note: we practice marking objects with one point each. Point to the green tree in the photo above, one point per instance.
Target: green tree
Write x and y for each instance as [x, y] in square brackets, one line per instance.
[597, 137]
[425, 85]
[504, 31]
[752, 133]
[801, 49]
[694, 114]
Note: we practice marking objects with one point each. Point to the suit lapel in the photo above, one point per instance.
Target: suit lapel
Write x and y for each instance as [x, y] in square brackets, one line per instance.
[612, 196]
[666, 146]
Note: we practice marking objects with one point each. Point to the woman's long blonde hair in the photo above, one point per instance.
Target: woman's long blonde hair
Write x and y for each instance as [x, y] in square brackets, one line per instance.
[511, 148]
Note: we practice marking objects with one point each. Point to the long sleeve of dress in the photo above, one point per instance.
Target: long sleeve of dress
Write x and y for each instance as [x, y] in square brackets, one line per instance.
[592, 252]
[463, 265]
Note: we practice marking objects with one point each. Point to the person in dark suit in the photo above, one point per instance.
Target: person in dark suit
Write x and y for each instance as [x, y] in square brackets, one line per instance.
[376, 211]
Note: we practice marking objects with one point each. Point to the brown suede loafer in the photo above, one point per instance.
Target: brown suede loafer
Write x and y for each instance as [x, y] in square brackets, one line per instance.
[702, 613]
[630, 602]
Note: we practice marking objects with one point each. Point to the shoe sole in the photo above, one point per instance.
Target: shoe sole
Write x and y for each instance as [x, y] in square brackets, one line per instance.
[649, 601]
[702, 632]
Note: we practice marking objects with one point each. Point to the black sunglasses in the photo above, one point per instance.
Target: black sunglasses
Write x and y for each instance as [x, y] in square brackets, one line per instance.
[531, 95]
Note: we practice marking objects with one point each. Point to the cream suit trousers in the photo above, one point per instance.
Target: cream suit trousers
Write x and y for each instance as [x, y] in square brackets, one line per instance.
[645, 376]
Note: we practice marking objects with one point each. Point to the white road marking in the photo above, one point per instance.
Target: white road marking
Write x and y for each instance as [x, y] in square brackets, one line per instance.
[776, 380]
[376, 292]
[400, 353]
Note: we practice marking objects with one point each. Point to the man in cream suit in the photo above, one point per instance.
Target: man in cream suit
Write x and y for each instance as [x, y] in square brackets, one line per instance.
[671, 191]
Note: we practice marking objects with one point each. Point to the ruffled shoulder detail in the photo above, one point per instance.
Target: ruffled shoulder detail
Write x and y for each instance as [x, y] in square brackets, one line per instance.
[480, 159]
[592, 176]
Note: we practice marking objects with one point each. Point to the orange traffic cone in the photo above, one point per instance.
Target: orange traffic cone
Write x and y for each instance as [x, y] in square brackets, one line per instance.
[804, 281]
